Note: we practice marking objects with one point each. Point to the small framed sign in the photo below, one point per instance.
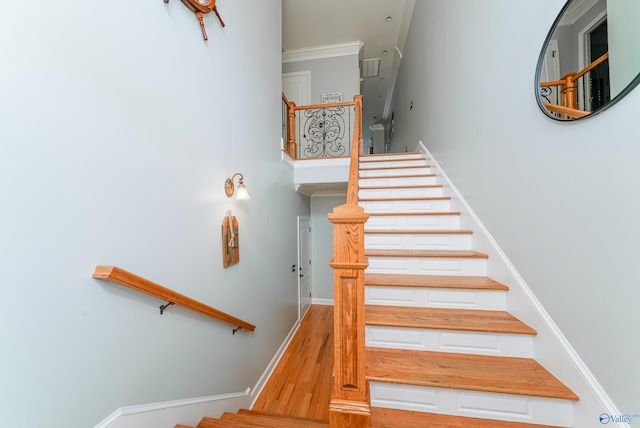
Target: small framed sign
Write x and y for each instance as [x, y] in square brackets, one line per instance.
[333, 97]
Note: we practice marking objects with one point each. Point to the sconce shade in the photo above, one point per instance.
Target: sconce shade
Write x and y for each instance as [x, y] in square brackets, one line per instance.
[242, 193]
[229, 188]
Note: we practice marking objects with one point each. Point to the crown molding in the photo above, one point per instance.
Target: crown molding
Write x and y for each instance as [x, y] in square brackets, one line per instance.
[321, 52]
[576, 10]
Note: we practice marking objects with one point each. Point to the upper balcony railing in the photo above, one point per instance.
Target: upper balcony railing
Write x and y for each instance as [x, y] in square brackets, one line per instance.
[318, 131]
[577, 94]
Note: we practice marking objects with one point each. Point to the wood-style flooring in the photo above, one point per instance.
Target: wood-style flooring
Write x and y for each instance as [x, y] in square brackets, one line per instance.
[301, 383]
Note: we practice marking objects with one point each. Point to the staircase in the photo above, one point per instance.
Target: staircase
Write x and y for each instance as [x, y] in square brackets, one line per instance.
[440, 345]
[249, 418]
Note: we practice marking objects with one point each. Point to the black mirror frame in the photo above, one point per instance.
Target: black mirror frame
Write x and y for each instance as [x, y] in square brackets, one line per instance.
[617, 98]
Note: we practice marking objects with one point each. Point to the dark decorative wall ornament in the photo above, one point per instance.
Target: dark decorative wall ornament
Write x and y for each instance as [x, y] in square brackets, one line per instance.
[324, 131]
[201, 8]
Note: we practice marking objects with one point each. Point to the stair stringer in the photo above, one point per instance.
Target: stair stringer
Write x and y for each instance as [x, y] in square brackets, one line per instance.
[551, 347]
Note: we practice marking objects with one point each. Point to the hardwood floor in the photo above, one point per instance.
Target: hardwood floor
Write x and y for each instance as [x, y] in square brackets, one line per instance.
[301, 383]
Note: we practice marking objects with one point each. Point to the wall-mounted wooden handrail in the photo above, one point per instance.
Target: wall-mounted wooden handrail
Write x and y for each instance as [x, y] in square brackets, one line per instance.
[122, 277]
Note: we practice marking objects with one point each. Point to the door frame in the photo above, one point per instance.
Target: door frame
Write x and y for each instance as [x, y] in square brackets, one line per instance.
[583, 58]
[303, 306]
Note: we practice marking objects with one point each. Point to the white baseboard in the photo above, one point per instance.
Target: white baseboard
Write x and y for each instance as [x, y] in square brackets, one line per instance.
[191, 411]
[169, 413]
[326, 302]
[588, 377]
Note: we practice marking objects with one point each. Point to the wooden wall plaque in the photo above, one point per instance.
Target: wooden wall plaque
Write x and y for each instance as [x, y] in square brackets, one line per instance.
[230, 243]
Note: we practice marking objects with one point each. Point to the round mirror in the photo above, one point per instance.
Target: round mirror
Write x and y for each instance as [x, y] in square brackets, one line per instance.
[590, 58]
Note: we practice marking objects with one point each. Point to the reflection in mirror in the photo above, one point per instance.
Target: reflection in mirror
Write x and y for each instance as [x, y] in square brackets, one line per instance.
[590, 59]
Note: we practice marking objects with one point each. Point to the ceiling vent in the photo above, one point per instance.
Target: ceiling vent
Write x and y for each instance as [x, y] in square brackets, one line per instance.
[370, 67]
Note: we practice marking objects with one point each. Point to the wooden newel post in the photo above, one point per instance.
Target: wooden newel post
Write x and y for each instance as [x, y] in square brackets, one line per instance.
[291, 143]
[349, 407]
[568, 92]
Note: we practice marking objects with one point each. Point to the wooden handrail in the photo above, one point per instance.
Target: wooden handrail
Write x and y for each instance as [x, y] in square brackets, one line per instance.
[591, 66]
[122, 277]
[328, 105]
[566, 111]
[350, 403]
[568, 91]
[352, 189]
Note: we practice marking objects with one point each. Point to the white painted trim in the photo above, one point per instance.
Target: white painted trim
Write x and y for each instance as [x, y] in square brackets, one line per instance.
[580, 366]
[575, 12]
[122, 412]
[326, 302]
[582, 58]
[194, 409]
[321, 52]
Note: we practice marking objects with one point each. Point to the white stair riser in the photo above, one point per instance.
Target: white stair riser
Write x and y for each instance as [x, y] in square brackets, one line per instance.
[413, 222]
[468, 342]
[399, 192]
[391, 181]
[392, 157]
[487, 405]
[437, 205]
[452, 298]
[393, 171]
[392, 163]
[417, 241]
[427, 265]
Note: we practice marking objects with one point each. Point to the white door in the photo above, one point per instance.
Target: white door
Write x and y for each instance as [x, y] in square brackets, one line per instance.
[304, 265]
[297, 87]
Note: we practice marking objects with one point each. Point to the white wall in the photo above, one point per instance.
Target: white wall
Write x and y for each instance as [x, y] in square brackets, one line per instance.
[560, 198]
[624, 42]
[334, 74]
[322, 245]
[118, 127]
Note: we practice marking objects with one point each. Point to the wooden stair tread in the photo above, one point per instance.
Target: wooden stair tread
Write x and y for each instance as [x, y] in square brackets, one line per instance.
[467, 254]
[506, 375]
[249, 418]
[320, 422]
[433, 281]
[263, 419]
[412, 213]
[389, 154]
[445, 319]
[364, 159]
[423, 198]
[378, 168]
[395, 176]
[418, 232]
[392, 418]
[417, 186]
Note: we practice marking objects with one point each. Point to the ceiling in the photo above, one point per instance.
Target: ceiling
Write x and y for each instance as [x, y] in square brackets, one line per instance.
[310, 23]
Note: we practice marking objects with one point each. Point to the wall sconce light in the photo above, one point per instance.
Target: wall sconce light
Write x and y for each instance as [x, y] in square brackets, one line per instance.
[242, 190]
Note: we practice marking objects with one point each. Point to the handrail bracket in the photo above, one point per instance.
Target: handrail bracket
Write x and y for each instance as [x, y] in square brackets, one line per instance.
[163, 307]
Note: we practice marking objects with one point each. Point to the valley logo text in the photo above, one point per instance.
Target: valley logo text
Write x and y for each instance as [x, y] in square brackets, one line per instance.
[605, 418]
